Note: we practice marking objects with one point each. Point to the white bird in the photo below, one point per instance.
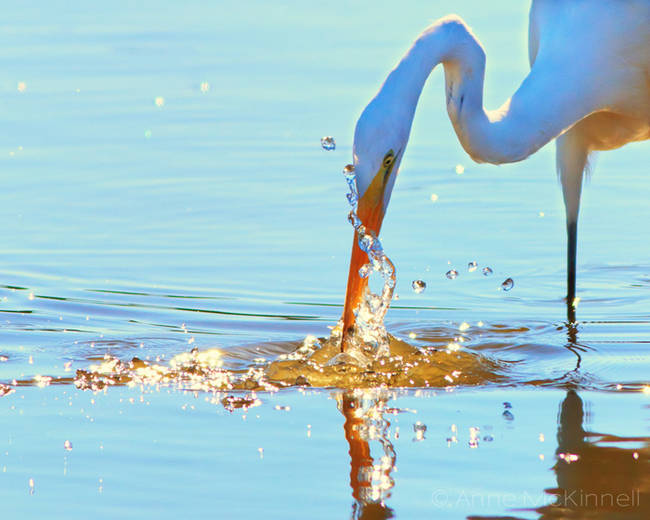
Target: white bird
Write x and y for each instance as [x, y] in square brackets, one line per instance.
[588, 88]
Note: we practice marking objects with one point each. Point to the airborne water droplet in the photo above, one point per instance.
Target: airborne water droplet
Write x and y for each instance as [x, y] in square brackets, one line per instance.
[487, 271]
[472, 266]
[365, 242]
[354, 220]
[67, 445]
[508, 284]
[418, 285]
[365, 270]
[328, 143]
[451, 274]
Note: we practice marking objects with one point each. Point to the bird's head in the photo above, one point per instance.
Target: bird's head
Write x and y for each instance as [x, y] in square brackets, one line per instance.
[379, 142]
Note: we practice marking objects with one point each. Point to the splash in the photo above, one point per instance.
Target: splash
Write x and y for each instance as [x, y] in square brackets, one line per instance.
[369, 340]
[308, 364]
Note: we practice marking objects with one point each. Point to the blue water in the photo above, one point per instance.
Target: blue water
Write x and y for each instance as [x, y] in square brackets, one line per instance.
[216, 220]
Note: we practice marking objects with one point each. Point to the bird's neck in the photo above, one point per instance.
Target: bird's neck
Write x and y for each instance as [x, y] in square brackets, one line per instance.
[511, 133]
[450, 43]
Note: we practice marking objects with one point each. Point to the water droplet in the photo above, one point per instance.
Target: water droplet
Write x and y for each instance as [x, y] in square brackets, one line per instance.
[67, 446]
[507, 284]
[488, 438]
[474, 436]
[472, 266]
[365, 270]
[387, 271]
[487, 271]
[507, 405]
[160, 101]
[22, 86]
[365, 242]
[507, 415]
[418, 285]
[374, 302]
[369, 328]
[434, 197]
[205, 86]
[419, 429]
[354, 219]
[328, 143]
[451, 274]
[460, 169]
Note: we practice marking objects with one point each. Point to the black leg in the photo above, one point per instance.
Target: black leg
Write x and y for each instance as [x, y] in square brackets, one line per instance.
[572, 247]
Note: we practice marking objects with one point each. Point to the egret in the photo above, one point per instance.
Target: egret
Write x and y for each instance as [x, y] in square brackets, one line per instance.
[588, 88]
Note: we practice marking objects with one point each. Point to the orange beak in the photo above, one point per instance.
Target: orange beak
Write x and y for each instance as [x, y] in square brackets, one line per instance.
[371, 213]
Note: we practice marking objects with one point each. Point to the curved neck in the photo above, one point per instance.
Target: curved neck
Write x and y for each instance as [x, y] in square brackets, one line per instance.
[539, 111]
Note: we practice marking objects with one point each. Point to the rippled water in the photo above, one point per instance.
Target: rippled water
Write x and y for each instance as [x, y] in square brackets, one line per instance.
[165, 189]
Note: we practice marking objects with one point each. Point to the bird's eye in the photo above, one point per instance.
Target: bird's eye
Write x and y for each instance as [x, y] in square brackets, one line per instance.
[388, 160]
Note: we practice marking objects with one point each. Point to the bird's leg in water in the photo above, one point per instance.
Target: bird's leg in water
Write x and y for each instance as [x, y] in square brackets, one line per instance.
[572, 244]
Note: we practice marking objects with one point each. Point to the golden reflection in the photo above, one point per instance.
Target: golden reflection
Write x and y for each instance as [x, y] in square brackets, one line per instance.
[365, 427]
[599, 476]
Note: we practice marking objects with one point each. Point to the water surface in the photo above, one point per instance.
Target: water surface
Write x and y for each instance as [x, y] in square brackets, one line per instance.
[212, 218]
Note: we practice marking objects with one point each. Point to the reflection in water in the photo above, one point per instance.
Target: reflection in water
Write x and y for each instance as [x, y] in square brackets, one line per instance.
[575, 347]
[599, 476]
[365, 426]
[596, 476]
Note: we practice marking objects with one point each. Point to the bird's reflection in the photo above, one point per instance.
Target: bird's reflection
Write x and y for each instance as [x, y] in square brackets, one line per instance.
[576, 347]
[599, 476]
[367, 430]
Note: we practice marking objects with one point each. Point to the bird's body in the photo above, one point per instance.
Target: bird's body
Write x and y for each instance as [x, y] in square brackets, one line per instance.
[588, 88]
